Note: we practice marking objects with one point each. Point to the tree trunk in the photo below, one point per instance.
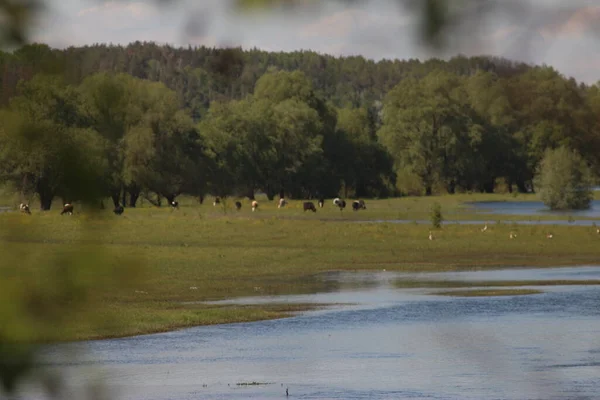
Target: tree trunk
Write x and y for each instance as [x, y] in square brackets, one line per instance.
[201, 199]
[45, 199]
[134, 195]
[46, 195]
[428, 190]
[451, 187]
[114, 195]
[124, 202]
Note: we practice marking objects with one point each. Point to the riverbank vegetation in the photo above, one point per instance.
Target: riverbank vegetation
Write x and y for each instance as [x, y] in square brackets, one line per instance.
[156, 122]
[191, 255]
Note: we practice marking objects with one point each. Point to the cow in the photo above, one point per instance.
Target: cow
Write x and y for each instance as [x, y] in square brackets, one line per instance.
[282, 203]
[321, 202]
[24, 208]
[174, 204]
[217, 201]
[340, 203]
[308, 205]
[119, 209]
[238, 205]
[67, 209]
[254, 205]
[359, 205]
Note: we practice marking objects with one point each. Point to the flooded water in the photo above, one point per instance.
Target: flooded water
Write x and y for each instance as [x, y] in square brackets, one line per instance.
[532, 208]
[385, 343]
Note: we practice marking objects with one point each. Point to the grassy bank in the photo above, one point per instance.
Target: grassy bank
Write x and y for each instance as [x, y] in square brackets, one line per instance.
[197, 253]
[454, 208]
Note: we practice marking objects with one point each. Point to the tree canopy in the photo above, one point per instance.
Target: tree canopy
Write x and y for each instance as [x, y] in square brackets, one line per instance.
[158, 121]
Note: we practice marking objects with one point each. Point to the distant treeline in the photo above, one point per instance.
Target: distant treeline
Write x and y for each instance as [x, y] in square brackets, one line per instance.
[156, 120]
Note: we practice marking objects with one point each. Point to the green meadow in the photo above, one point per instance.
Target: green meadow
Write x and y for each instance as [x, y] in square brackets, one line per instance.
[198, 253]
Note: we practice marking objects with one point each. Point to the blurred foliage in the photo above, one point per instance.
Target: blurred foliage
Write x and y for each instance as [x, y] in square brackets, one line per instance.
[116, 134]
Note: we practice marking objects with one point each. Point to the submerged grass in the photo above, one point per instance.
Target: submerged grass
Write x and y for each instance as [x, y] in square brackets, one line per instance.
[198, 253]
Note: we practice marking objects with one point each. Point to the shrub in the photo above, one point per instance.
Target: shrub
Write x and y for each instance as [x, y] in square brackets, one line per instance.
[564, 180]
[436, 215]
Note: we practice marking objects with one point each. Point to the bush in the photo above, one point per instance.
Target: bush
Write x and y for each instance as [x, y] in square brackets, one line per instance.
[564, 180]
[436, 215]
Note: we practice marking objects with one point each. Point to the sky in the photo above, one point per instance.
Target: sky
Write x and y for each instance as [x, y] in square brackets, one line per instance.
[563, 34]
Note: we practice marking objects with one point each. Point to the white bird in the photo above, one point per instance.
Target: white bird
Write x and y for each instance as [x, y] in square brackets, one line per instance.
[512, 235]
[430, 235]
[484, 228]
[549, 236]
[598, 231]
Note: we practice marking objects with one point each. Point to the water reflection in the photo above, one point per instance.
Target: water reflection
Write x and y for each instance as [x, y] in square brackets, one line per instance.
[388, 343]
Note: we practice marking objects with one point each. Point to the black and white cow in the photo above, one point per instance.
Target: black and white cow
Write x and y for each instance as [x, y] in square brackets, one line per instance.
[359, 205]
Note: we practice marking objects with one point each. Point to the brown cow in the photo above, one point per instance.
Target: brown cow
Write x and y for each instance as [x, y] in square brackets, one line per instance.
[309, 205]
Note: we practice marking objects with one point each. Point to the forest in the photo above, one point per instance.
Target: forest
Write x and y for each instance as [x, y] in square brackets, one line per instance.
[158, 121]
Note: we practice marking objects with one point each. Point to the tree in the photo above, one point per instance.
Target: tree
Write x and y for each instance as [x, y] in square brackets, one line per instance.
[44, 148]
[111, 105]
[162, 151]
[364, 164]
[425, 127]
[564, 180]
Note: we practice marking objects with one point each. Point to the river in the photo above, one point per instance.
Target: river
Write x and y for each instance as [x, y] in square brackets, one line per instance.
[380, 343]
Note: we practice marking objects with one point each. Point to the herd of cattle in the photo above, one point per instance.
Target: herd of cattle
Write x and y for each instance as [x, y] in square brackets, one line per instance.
[307, 206]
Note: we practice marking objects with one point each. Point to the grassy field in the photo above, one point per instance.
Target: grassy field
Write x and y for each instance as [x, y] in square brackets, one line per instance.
[200, 253]
[454, 208]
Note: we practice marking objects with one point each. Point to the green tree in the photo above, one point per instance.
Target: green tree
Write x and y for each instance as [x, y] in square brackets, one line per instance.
[564, 180]
[44, 149]
[425, 128]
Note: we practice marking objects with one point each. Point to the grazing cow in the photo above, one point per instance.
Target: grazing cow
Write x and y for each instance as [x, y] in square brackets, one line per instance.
[358, 205]
[254, 205]
[217, 201]
[119, 209]
[174, 204]
[340, 203]
[24, 208]
[67, 209]
[309, 205]
[282, 203]
[321, 202]
[238, 205]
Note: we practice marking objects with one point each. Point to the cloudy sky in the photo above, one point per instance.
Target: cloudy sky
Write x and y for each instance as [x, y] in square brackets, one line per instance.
[564, 34]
